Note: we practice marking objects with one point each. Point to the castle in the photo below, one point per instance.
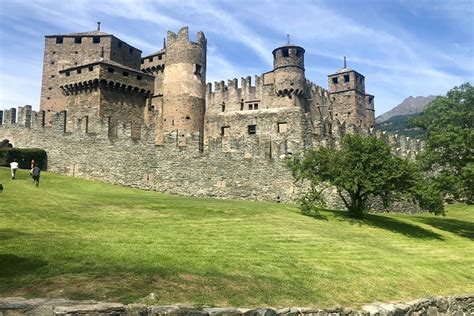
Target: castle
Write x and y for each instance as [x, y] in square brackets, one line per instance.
[108, 113]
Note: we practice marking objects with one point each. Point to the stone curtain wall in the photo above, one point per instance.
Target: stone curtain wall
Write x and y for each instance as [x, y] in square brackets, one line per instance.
[176, 167]
[458, 305]
[243, 167]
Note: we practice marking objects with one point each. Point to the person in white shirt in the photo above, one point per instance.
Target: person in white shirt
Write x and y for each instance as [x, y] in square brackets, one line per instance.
[13, 167]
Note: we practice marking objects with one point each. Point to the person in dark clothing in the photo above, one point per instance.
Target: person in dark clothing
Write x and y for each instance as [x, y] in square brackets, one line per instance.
[35, 173]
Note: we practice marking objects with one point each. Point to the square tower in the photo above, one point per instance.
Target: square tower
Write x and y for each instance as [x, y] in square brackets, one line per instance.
[76, 49]
[349, 101]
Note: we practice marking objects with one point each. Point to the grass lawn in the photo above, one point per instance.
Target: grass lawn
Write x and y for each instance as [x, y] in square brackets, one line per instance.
[82, 239]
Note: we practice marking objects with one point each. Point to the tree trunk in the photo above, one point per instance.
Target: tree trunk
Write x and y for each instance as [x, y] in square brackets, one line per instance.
[357, 206]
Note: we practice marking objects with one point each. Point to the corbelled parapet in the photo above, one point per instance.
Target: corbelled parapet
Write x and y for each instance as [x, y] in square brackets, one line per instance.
[288, 69]
[86, 78]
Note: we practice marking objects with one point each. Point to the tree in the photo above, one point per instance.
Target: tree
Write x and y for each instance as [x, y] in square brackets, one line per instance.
[449, 151]
[363, 168]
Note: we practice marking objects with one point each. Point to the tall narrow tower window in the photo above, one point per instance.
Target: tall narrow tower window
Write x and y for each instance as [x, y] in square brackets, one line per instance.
[285, 52]
[223, 106]
[346, 78]
[198, 69]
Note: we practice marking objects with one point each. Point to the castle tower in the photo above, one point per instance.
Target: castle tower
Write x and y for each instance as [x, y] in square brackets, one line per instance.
[184, 83]
[288, 70]
[67, 51]
[349, 101]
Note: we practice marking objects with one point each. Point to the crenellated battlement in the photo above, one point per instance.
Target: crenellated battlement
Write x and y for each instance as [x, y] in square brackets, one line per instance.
[183, 37]
[152, 122]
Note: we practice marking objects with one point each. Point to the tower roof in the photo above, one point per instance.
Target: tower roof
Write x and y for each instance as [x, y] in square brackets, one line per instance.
[91, 33]
[344, 69]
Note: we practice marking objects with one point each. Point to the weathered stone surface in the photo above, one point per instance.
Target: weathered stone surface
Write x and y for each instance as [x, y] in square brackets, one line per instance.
[458, 305]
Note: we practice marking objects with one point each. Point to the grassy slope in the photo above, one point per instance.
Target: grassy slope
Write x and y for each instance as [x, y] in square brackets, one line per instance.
[81, 239]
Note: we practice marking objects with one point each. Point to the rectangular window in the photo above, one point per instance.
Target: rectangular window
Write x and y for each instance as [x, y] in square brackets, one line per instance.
[119, 44]
[91, 68]
[223, 106]
[252, 129]
[143, 61]
[250, 106]
[130, 50]
[255, 106]
[225, 130]
[78, 40]
[67, 73]
[346, 78]
[150, 59]
[285, 52]
[111, 70]
[282, 128]
[125, 74]
[96, 40]
[139, 77]
[59, 40]
[334, 80]
[242, 104]
[198, 69]
[79, 71]
[160, 57]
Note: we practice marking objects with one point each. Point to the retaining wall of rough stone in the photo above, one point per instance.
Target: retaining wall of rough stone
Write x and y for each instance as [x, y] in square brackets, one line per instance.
[452, 305]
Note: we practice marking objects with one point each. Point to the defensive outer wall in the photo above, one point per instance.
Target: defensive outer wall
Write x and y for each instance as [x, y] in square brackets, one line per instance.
[227, 167]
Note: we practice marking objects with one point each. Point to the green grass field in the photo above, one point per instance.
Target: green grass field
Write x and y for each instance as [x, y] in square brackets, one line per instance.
[82, 239]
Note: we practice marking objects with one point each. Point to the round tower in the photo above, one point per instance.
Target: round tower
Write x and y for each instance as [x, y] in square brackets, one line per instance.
[184, 83]
[288, 70]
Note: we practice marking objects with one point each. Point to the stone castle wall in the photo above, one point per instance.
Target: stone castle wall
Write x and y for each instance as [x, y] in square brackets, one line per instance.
[230, 166]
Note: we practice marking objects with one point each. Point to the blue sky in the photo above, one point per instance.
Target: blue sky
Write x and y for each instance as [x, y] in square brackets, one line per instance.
[404, 47]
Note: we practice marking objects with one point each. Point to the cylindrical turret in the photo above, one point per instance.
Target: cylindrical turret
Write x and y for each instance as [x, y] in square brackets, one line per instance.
[288, 70]
[184, 82]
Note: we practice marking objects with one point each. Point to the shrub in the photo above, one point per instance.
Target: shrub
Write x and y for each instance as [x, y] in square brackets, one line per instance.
[23, 156]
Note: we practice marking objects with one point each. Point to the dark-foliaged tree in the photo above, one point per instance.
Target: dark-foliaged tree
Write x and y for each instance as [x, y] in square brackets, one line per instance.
[449, 151]
[362, 168]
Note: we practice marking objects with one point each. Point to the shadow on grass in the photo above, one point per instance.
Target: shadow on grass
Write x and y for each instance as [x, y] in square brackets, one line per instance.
[388, 223]
[460, 228]
[13, 265]
[11, 233]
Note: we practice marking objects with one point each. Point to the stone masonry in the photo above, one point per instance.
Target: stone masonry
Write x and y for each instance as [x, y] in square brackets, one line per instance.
[108, 113]
[453, 305]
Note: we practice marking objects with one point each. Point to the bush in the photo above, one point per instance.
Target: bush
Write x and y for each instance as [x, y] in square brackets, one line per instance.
[23, 156]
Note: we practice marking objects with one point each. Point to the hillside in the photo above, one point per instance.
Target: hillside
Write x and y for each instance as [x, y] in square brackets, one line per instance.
[400, 125]
[91, 240]
[409, 106]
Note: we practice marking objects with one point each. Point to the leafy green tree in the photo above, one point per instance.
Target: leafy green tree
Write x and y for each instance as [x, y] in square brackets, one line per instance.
[449, 151]
[361, 169]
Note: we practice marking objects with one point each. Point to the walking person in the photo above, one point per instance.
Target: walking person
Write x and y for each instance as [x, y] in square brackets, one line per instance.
[32, 166]
[14, 168]
[35, 173]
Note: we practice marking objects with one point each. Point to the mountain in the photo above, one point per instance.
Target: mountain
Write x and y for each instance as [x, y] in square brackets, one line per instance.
[409, 106]
[399, 124]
